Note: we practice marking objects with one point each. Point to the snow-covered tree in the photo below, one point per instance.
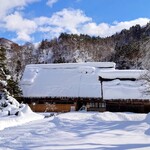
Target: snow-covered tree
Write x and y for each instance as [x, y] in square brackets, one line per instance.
[146, 81]
[8, 87]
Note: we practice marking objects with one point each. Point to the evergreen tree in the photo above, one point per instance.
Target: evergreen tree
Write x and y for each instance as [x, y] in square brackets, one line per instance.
[11, 86]
[2, 63]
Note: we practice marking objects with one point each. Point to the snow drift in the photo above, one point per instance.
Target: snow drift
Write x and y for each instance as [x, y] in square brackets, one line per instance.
[13, 114]
[25, 115]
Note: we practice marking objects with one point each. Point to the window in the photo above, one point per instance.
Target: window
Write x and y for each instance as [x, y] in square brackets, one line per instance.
[97, 105]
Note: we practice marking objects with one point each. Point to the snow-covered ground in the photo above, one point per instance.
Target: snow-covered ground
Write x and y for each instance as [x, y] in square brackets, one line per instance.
[25, 114]
[79, 130]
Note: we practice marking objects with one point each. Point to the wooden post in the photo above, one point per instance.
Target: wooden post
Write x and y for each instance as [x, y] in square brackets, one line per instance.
[101, 81]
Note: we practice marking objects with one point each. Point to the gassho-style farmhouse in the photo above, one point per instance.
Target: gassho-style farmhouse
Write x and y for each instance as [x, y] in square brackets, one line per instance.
[91, 86]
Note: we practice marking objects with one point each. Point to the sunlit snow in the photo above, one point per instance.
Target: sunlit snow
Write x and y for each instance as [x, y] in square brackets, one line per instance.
[63, 80]
[82, 80]
[80, 130]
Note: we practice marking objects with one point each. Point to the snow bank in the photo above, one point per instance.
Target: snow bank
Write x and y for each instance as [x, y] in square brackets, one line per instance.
[13, 114]
[104, 116]
[147, 119]
[80, 131]
[25, 115]
[109, 116]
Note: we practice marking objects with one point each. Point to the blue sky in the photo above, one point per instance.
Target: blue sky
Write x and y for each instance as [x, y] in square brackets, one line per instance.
[33, 20]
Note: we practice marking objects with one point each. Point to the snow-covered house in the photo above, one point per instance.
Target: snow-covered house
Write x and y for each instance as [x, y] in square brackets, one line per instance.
[62, 87]
[72, 84]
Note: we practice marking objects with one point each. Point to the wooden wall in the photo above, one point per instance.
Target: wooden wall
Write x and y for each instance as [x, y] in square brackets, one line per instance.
[65, 104]
[52, 107]
[102, 109]
[136, 106]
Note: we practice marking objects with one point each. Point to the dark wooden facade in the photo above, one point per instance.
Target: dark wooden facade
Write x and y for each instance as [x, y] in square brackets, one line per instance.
[124, 105]
[128, 105]
[62, 104]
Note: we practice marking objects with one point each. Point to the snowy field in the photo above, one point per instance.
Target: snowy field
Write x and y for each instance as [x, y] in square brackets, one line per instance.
[78, 130]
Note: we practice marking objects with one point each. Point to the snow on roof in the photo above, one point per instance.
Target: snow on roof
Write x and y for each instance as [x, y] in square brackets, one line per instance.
[123, 89]
[75, 65]
[81, 80]
[62, 80]
[118, 89]
[114, 74]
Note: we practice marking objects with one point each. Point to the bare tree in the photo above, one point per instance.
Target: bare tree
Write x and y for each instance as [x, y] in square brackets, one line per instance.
[145, 78]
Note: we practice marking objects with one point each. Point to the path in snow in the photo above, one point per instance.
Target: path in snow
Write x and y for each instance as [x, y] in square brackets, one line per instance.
[93, 131]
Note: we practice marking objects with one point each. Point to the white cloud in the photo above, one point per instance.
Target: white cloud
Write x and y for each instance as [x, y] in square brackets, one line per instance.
[127, 24]
[51, 2]
[21, 26]
[75, 21]
[67, 20]
[11, 20]
[22, 36]
[104, 29]
[7, 6]
[93, 29]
